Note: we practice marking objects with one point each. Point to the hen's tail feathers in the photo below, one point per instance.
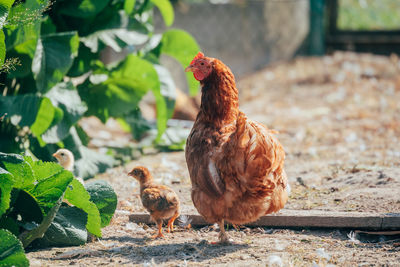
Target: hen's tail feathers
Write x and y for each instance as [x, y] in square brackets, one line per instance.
[279, 196]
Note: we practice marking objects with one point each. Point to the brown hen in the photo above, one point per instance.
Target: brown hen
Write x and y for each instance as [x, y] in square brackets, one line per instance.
[235, 164]
[159, 200]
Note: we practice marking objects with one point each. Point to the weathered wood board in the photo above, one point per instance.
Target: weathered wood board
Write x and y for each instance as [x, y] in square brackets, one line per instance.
[308, 219]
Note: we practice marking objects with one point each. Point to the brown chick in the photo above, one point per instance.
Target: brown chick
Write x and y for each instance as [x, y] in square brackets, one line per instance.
[235, 164]
[159, 200]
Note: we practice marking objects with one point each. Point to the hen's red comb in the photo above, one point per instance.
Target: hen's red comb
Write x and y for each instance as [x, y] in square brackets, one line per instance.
[199, 55]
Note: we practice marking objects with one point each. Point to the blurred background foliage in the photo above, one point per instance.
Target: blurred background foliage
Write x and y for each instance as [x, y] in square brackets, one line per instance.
[369, 15]
[53, 72]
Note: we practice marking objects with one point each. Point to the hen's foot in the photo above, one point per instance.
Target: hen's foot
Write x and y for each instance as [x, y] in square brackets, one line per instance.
[158, 235]
[223, 240]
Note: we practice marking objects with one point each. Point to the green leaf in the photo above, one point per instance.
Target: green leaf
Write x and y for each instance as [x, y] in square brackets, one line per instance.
[11, 251]
[129, 6]
[24, 211]
[53, 58]
[64, 96]
[137, 124]
[28, 110]
[67, 229]
[44, 117]
[52, 183]
[5, 6]
[103, 195]
[6, 185]
[181, 45]
[23, 29]
[2, 48]
[168, 88]
[83, 8]
[77, 195]
[35, 231]
[122, 91]
[116, 33]
[19, 168]
[166, 9]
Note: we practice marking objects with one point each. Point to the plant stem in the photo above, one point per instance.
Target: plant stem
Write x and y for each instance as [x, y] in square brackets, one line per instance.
[28, 236]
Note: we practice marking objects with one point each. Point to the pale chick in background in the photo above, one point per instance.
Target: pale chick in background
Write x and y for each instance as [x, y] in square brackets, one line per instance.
[66, 160]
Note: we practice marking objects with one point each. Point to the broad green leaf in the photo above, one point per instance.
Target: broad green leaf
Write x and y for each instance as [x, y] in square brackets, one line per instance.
[6, 184]
[83, 8]
[84, 62]
[145, 76]
[53, 58]
[66, 97]
[128, 6]
[5, 6]
[77, 195]
[19, 168]
[166, 9]
[122, 91]
[21, 109]
[112, 37]
[34, 231]
[181, 45]
[103, 195]
[23, 30]
[67, 229]
[28, 110]
[44, 117]
[11, 251]
[52, 183]
[24, 211]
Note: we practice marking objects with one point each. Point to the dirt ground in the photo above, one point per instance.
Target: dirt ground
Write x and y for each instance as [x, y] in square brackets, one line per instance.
[338, 118]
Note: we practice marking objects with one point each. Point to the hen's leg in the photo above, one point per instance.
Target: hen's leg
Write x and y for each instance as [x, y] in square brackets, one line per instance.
[170, 225]
[223, 237]
[159, 233]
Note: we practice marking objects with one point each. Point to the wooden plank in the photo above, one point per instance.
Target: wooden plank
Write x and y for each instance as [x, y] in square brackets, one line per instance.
[308, 219]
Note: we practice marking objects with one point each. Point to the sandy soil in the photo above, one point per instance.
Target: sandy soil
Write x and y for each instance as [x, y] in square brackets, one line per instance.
[338, 118]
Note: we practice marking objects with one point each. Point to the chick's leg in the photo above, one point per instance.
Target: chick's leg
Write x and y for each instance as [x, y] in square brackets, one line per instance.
[159, 232]
[171, 221]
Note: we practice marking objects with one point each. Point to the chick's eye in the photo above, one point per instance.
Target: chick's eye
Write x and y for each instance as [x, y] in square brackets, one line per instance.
[62, 154]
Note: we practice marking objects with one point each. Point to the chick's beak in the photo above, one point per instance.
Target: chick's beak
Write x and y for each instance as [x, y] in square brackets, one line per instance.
[190, 68]
[130, 173]
[55, 155]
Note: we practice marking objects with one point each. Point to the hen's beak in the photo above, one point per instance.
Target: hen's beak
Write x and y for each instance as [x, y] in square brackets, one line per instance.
[130, 173]
[190, 68]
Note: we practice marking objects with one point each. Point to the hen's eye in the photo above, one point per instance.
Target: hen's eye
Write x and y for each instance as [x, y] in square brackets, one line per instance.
[202, 63]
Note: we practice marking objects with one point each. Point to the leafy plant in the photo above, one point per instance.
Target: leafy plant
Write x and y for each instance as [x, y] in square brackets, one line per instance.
[32, 207]
[63, 75]
[11, 251]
